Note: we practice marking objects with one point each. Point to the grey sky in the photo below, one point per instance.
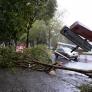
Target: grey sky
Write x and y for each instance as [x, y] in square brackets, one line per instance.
[77, 10]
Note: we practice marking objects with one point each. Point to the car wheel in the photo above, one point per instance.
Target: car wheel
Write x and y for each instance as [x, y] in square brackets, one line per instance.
[56, 56]
[76, 59]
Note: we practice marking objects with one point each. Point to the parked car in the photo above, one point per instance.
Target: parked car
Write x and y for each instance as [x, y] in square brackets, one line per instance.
[66, 53]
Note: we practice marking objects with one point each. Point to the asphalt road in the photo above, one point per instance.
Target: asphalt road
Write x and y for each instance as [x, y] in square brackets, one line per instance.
[34, 81]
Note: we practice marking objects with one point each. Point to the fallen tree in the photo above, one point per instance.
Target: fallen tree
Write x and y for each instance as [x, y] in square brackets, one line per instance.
[35, 59]
[49, 67]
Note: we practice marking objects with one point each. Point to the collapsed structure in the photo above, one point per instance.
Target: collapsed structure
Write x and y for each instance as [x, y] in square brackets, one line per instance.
[79, 35]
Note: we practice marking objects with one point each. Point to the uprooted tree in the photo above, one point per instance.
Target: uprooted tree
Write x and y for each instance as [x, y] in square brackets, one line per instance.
[36, 58]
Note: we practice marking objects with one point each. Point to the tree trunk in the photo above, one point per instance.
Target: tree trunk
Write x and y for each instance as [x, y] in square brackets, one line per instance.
[55, 66]
[27, 41]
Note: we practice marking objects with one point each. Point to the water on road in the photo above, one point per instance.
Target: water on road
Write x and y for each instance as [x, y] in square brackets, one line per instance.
[84, 63]
[34, 81]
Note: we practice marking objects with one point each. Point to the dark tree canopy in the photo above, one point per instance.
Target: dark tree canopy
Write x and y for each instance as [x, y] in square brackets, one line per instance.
[17, 16]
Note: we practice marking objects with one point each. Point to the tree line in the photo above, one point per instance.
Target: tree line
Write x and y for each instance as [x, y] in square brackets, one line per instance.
[19, 17]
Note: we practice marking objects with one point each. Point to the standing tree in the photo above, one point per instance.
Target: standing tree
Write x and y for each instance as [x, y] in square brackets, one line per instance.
[38, 33]
[17, 16]
[54, 27]
[43, 10]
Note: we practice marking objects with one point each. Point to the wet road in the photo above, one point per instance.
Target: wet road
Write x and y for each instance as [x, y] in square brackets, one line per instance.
[84, 62]
[34, 81]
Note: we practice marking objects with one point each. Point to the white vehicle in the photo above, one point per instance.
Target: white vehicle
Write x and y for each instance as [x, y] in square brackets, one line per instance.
[68, 51]
[65, 51]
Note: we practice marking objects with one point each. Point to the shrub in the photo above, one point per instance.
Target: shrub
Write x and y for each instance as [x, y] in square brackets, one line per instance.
[7, 57]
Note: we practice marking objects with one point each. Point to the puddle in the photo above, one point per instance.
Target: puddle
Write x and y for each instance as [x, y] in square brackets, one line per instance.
[80, 65]
[85, 63]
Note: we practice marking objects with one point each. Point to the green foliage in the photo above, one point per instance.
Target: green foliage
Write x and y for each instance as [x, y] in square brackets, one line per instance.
[7, 57]
[38, 32]
[54, 27]
[17, 16]
[85, 88]
[23, 37]
[10, 58]
[40, 53]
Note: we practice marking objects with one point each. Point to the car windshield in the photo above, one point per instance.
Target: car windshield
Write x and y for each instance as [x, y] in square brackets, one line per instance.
[66, 49]
[60, 50]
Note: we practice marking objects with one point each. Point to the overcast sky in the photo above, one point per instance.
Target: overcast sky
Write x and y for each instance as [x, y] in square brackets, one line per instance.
[76, 10]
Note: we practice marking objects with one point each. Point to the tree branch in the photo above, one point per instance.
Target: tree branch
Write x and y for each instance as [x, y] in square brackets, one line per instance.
[55, 66]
